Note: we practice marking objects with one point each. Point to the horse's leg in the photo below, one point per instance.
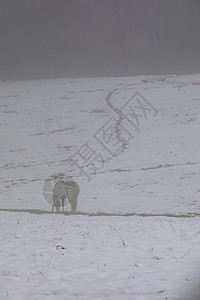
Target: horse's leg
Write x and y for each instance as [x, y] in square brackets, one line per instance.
[54, 202]
[73, 204]
[63, 202]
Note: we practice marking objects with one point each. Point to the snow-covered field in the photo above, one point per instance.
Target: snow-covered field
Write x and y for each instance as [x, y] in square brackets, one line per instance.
[103, 257]
[133, 145]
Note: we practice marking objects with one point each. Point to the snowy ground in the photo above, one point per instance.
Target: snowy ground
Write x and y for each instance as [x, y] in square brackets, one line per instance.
[141, 162]
[103, 258]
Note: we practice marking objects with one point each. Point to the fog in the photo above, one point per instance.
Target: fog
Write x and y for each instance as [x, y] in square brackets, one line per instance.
[90, 38]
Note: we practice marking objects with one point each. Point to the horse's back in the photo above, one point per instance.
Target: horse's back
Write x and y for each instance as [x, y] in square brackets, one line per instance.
[73, 185]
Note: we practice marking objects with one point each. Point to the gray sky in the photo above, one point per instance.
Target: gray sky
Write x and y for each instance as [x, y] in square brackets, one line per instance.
[59, 38]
